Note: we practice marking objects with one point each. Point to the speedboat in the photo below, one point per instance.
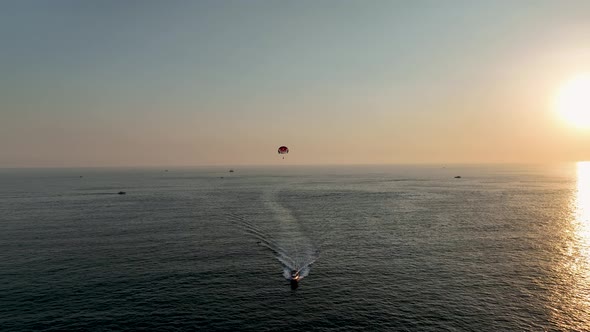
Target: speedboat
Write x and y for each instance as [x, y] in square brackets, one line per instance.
[295, 277]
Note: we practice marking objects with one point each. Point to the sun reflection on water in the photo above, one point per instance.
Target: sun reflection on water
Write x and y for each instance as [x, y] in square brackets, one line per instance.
[570, 303]
[582, 209]
[583, 194]
[579, 266]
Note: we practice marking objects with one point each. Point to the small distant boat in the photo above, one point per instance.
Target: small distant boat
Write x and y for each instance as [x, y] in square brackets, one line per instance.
[231, 170]
[458, 177]
[121, 193]
[295, 277]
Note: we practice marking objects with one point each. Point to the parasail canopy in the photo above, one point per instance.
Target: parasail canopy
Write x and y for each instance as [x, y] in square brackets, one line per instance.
[283, 150]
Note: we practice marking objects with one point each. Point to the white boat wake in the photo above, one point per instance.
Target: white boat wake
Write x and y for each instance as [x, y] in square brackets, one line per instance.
[285, 237]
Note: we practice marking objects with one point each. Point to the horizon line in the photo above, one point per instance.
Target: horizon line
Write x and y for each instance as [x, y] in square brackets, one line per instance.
[298, 165]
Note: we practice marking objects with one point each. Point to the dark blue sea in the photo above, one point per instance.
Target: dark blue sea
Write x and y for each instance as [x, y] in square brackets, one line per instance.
[380, 248]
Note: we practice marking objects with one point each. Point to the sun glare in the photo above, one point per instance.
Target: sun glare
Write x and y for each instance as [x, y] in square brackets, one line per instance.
[573, 101]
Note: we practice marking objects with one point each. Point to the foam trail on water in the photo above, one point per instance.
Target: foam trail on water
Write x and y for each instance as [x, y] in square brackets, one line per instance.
[291, 236]
[283, 236]
[265, 240]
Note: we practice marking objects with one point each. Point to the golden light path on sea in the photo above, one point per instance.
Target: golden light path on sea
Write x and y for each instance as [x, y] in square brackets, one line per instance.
[582, 206]
[570, 303]
[579, 294]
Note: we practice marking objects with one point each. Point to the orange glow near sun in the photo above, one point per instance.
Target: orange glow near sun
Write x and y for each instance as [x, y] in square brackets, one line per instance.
[573, 101]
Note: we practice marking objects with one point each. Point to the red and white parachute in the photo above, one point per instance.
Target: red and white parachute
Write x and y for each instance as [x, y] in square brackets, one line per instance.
[283, 150]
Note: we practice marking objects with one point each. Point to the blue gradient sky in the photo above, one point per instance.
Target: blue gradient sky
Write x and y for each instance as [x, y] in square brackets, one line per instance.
[131, 83]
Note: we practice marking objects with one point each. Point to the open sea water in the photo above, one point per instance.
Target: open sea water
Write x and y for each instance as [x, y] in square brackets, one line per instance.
[381, 248]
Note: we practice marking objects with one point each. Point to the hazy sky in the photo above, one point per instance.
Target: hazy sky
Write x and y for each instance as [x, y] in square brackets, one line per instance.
[131, 83]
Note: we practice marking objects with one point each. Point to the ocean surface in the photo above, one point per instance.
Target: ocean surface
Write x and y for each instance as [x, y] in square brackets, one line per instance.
[382, 248]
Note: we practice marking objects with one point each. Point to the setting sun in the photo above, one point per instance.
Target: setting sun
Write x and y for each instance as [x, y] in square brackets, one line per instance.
[573, 101]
